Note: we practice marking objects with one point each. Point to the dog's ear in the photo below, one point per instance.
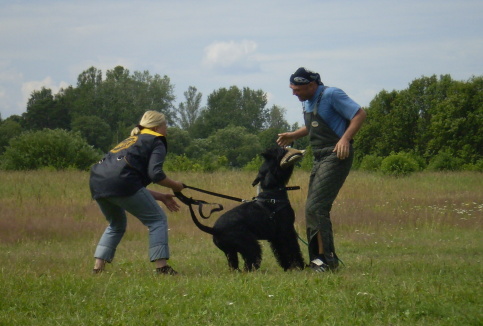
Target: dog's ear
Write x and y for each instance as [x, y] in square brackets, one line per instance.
[266, 155]
[263, 170]
[261, 174]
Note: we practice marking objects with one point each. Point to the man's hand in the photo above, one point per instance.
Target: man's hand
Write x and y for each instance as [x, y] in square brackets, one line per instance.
[285, 139]
[342, 148]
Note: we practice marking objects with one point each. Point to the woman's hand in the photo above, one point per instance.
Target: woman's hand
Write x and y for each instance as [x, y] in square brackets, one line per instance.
[177, 186]
[168, 200]
[170, 183]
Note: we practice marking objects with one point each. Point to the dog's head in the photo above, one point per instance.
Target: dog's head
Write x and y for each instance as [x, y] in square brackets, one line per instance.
[277, 167]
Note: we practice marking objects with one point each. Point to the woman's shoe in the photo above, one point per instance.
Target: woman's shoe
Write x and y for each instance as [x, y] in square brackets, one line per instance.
[167, 270]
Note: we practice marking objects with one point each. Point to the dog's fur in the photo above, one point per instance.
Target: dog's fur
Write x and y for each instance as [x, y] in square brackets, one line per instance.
[268, 217]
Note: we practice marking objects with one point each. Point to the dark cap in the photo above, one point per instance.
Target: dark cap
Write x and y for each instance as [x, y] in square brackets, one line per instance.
[304, 76]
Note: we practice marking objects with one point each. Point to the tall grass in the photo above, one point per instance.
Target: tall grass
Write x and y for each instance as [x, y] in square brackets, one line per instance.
[411, 249]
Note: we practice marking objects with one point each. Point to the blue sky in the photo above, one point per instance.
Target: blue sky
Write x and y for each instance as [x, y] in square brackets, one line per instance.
[360, 46]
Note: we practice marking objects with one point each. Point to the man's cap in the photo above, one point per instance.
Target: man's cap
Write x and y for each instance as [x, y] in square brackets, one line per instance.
[304, 76]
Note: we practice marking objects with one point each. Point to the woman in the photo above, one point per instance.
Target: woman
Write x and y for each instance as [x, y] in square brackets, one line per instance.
[118, 184]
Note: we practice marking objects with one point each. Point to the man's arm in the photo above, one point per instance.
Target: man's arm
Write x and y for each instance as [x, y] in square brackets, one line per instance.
[287, 138]
[342, 147]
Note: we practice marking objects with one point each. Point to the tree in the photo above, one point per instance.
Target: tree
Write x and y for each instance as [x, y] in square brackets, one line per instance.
[401, 123]
[244, 108]
[86, 99]
[301, 143]
[121, 99]
[457, 122]
[190, 109]
[276, 118]
[44, 111]
[236, 143]
[432, 116]
[423, 94]
[178, 141]
[126, 98]
[268, 137]
[374, 137]
[90, 78]
[254, 115]
[117, 108]
[153, 93]
[94, 130]
[8, 130]
[198, 148]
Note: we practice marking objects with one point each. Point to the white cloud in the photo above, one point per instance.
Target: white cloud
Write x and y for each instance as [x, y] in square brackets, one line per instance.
[232, 56]
[359, 46]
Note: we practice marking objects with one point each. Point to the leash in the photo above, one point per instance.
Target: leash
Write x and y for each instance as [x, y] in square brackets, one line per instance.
[200, 203]
[217, 194]
[231, 197]
[303, 241]
[190, 202]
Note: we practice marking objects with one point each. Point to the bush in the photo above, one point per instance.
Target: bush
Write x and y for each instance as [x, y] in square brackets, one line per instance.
[371, 163]
[308, 161]
[254, 164]
[211, 162]
[445, 161]
[420, 161]
[478, 166]
[57, 149]
[180, 163]
[208, 163]
[95, 131]
[399, 164]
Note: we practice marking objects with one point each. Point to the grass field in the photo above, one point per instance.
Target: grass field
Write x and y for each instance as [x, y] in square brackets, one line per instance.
[412, 250]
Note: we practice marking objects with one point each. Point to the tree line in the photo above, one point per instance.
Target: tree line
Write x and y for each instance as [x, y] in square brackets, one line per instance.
[434, 118]
[437, 121]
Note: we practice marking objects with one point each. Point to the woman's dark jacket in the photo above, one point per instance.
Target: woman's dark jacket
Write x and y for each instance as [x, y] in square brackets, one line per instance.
[131, 165]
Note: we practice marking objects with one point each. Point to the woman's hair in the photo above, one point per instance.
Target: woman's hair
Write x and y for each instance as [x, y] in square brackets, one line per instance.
[149, 120]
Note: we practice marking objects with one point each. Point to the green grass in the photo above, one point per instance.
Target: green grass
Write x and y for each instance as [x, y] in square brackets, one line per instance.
[411, 248]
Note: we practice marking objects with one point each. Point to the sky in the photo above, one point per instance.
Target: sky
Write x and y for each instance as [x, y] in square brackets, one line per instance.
[362, 47]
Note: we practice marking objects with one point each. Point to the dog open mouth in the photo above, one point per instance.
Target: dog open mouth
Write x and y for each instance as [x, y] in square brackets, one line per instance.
[292, 157]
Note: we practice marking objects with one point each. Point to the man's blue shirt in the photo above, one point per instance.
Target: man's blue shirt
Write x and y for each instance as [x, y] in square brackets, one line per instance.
[336, 108]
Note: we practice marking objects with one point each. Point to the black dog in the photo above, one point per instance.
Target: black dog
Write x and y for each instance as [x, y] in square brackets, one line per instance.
[268, 217]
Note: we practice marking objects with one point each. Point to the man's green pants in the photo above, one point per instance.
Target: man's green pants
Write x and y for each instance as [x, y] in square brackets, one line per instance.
[326, 179]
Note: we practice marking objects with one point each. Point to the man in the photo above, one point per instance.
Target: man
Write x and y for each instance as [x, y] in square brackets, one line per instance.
[331, 121]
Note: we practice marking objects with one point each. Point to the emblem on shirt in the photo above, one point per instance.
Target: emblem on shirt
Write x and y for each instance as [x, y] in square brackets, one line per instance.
[315, 124]
[124, 144]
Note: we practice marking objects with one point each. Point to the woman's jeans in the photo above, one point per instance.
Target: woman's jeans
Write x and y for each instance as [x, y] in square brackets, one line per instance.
[143, 206]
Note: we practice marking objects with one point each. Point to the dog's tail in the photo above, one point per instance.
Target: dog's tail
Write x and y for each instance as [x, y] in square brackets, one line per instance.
[190, 202]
